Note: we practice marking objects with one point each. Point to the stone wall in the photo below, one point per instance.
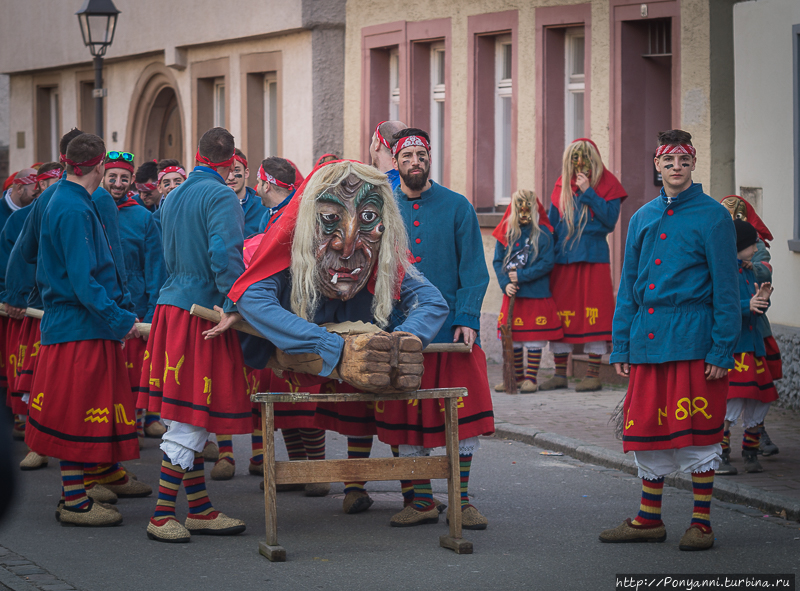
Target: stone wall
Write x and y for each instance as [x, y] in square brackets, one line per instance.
[788, 339]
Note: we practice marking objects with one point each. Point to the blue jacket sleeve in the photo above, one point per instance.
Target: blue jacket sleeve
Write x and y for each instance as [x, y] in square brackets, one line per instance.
[22, 280]
[425, 307]
[225, 239]
[543, 263]
[28, 241]
[554, 216]
[605, 212]
[497, 263]
[721, 256]
[473, 276]
[626, 305]
[154, 273]
[761, 267]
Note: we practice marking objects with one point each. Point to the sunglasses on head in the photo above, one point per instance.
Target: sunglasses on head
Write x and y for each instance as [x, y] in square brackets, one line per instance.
[126, 156]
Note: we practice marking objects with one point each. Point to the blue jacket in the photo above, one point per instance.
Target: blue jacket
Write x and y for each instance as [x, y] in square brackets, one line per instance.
[678, 297]
[750, 338]
[80, 285]
[534, 277]
[202, 234]
[273, 212]
[5, 210]
[8, 237]
[253, 212]
[267, 306]
[144, 259]
[445, 240]
[763, 272]
[394, 178]
[593, 244]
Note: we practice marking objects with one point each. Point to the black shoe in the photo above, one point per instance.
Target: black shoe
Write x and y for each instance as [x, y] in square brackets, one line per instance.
[751, 464]
[725, 467]
[766, 447]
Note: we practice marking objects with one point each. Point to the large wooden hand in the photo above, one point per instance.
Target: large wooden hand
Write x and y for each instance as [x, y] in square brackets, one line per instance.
[382, 362]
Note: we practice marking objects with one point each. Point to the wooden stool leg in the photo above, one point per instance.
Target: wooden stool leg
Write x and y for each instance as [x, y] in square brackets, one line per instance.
[270, 549]
[454, 541]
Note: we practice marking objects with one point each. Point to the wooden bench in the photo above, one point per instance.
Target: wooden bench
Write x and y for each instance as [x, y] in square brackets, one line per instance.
[375, 469]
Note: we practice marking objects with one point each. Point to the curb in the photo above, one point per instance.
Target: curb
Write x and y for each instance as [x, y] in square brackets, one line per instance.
[724, 490]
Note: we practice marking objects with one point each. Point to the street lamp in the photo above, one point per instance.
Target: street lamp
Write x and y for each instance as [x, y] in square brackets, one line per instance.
[98, 20]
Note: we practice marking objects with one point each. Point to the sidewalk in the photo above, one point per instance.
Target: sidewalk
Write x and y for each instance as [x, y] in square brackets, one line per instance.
[577, 424]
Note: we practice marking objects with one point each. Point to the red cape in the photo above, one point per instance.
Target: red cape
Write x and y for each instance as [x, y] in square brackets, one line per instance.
[274, 253]
[609, 188]
[500, 231]
[754, 220]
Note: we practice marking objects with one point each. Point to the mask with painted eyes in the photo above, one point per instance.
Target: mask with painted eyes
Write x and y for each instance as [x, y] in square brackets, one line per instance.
[736, 207]
[348, 237]
[581, 161]
[523, 211]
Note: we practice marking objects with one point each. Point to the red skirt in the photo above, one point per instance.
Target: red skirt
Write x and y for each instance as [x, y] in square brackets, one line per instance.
[773, 358]
[191, 380]
[671, 405]
[421, 422]
[751, 378]
[82, 409]
[13, 365]
[535, 319]
[29, 344]
[585, 301]
[356, 419]
[3, 360]
[288, 415]
[134, 359]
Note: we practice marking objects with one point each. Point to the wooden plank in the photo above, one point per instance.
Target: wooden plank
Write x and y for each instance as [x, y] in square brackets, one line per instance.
[448, 348]
[457, 545]
[273, 553]
[356, 397]
[144, 329]
[34, 313]
[3, 312]
[356, 470]
[454, 468]
[270, 509]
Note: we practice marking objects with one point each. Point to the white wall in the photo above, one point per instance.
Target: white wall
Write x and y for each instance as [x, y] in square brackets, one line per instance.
[764, 146]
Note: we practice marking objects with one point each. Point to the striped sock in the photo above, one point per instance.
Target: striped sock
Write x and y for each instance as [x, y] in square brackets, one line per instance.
[593, 371]
[702, 488]
[294, 444]
[357, 448]
[650, 507]
[74, 490]
[423, 495]
[104, 474]
[140, 414]
[225, 443]
[464, 463]
[751, 438]
[314, 443]
[726, 440]
[194, 482]
[532, 369]
[257, 441]
[406, 486]
[519, 370]
[168, 486]
[151, 417]
[561, 364]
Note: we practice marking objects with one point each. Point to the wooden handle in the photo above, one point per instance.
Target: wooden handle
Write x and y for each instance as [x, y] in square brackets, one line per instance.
[214, 316]
[34, 313]
[448, 348]
[3, 311]
[144, 329]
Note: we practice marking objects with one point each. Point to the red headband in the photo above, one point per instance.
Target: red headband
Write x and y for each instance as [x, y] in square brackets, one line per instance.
[677, 149]
[26, 180]
[50, 174]
[268, 178]
[224, 164]
[170, 169]
[146, 187]
[120, 164]
[408, 141]
[380, 135]
[240, 159]
[76, 166]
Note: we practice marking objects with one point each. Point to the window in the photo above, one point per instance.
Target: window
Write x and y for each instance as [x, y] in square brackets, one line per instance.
[394, 85]
[437, 110]
[575, 88]
[270, 115]
[219, 102]
[48, 130]
[502, 120]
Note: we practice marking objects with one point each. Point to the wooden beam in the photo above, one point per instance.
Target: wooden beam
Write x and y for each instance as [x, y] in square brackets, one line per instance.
[355, 470]
[357, 397]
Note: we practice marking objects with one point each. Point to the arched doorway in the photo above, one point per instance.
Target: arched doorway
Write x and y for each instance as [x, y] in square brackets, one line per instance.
[155, 125]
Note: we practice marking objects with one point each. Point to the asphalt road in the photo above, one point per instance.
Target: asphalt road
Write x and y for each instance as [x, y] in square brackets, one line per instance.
[544, 512]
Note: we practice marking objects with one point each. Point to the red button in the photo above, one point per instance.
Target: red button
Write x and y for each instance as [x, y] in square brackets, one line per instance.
[751, 328]
[651, 336]
[416, 206]
[418, 259]
[747, 281]
[419, 240]
[670, 212]
[652, 286]
[651, 310]
[663, 237]
[658, 261]
[740, 270]
[416, 222]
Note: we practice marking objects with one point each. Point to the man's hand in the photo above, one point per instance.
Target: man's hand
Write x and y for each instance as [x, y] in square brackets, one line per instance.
[15, 313]
[225, 322]
[715, 373]
[382, 363]
[512, 275]
[468, 333]
[623, 369]
[511, 289]
[582, 181]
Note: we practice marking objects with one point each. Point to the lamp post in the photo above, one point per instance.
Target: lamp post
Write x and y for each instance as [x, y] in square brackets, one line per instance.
[98, 21]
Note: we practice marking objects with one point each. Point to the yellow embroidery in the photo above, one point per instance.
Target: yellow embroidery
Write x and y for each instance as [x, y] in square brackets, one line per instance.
[95, 415]
[759, 367]
[206, 389]
[517, 321]
[23, 349]
[566, 316]
[37, 401]
[175, 369]
[662, 413]
[740, 366]
[36, 346]
[120, 416]
[688, 408]
[541, 320]
[591, 314]
[12, 359]
[155, 382]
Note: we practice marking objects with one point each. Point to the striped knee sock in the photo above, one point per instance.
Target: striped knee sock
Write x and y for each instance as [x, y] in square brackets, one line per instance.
[406, 486]
[168, 486]
[151, 417]
[257, 442]
[593, 371]
[314, 443]
[561, 364]
[465, 464]
[423, 495]
[104, 474]
[74, 490]
[751, 439]
[357, 447]
[225, 443]
[519, 370]
[294, 444]
[650, 507]
[140, 414]
[702, 488]
[726, 441]
[194, 482]
[532, 369]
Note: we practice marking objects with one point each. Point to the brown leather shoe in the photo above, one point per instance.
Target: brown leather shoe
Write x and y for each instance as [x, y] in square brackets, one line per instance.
[224, 469]
[471, 518]
[214, 524]
[210, 452]
[129, 489]
[60, 506]
[155, 430]
[168, 530]
[318, 489]
[589, 385]
[101, 494]
[528, 387]
[697, 537]
[411, 516]
[356, 501]
[33, 461]
[627, 533]
[554, 383]
[94, 515]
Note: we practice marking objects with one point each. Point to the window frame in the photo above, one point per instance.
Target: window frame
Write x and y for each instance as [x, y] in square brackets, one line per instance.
[503, 92]
[794, 242]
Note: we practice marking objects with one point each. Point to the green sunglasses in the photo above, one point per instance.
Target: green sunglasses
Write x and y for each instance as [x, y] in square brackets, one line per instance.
[126, 156]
